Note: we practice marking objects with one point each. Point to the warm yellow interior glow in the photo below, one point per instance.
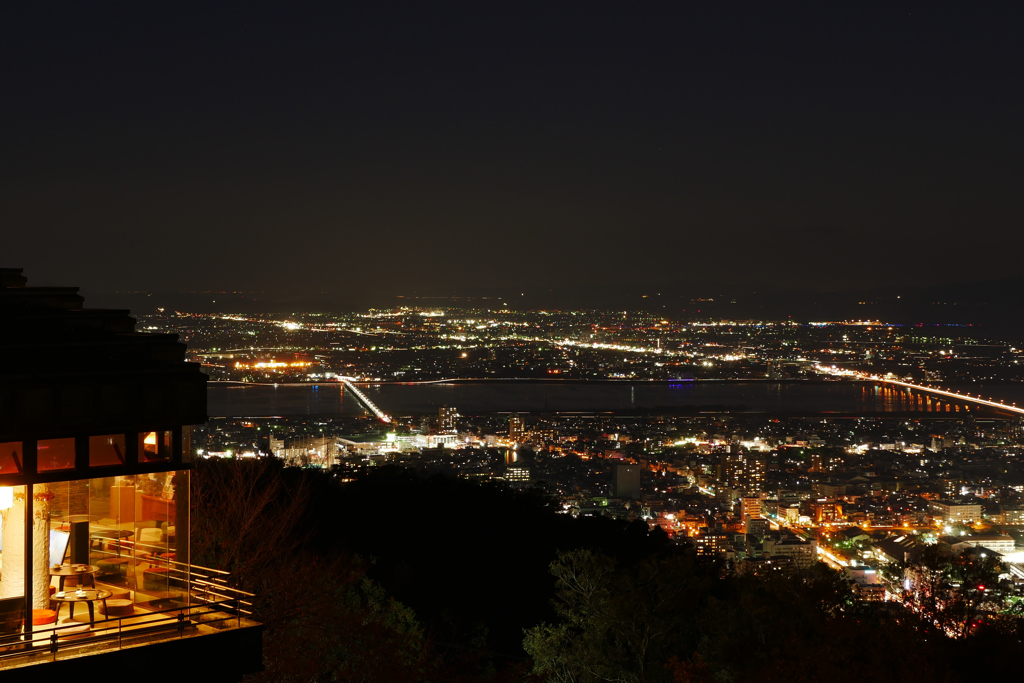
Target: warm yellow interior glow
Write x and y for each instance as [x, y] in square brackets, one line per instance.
[150, 438]
[6, 497]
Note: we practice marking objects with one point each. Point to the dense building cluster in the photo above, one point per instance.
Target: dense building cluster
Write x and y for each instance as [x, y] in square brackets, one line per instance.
[408, 344]
[865, 495]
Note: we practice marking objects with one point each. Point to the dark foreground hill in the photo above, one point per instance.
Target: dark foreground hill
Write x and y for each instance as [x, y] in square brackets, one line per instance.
[393, 577]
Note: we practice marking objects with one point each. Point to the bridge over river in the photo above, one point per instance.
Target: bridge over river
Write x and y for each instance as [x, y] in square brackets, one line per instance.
[935, 391]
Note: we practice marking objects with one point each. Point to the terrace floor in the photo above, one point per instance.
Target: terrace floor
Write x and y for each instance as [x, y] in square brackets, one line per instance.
[161, 613]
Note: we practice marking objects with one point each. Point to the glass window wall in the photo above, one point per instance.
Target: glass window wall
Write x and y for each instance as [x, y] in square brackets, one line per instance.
[11, 457]
[155, 446]
[55, 454]
[106, 450]
[124, 529]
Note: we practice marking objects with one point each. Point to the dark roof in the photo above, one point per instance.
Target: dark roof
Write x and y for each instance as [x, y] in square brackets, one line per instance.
[71, 370]
[902, 549]
[852, 532]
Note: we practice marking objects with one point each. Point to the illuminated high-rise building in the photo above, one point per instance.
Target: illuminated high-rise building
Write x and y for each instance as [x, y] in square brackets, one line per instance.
[743, 471]
[756, 469]
[446, 419]
[515, 428]
[751, 508]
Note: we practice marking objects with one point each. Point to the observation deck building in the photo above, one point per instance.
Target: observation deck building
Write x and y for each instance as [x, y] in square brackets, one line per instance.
[95, 458]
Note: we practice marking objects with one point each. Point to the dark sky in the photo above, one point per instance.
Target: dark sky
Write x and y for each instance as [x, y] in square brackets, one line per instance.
[424, 147]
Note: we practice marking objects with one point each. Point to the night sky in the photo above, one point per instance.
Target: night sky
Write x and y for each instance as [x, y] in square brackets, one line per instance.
[425, 148]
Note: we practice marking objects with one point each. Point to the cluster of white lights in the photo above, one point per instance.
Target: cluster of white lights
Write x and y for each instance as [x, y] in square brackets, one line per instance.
[610, 347]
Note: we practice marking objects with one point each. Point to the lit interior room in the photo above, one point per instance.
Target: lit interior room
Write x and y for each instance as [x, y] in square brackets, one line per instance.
[101, 547]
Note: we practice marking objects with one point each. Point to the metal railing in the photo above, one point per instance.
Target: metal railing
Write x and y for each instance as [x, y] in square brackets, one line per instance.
[203, 582]
[207, 601]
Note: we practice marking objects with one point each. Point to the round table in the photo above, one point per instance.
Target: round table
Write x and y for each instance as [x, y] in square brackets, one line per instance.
[88, 597]
[66, 570]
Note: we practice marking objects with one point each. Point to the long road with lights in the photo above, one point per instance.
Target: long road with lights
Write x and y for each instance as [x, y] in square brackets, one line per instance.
[384, 417]
[854, 374]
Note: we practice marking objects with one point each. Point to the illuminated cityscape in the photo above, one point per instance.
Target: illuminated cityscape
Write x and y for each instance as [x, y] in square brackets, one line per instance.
[512, 343]
[926, 449]
[414, 345]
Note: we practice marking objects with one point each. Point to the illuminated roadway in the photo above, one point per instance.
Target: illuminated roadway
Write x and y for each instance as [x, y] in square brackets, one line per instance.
[854, 374]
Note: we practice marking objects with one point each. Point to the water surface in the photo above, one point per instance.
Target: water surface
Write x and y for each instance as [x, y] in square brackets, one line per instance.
[258, 400]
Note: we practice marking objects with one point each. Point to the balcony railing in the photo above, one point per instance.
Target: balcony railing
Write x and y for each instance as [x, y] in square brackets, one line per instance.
[205, 603]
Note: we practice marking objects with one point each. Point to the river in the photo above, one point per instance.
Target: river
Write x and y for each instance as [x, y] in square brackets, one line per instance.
[802, 397]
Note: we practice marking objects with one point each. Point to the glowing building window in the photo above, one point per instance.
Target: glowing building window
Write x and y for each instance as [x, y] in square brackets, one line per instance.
[154, 446]
[11, 457]
[106, 450]
[56, 454]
